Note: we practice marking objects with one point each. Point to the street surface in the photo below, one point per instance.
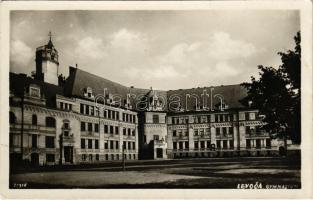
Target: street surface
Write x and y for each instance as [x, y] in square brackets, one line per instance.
[196, 173]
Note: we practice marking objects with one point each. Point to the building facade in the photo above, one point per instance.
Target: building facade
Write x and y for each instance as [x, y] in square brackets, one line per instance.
[88, 119]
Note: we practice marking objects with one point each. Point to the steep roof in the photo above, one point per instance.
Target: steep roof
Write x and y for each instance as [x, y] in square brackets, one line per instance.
[231, 94]
[20, 82]
[79, 80]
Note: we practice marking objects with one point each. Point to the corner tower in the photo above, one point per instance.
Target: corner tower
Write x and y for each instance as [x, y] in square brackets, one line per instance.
[47, 63]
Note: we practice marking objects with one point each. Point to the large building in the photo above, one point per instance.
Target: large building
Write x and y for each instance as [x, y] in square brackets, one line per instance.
[86, 119]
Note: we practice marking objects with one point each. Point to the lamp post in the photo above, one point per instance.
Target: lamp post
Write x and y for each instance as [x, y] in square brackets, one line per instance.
[61, 148]
[123, 160]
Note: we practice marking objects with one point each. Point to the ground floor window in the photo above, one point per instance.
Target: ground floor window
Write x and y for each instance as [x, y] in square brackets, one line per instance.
[50, 158]
[97, 157]
[106, 157]
[84, 157]
[268, 143]
[90, 157]
[248, 144]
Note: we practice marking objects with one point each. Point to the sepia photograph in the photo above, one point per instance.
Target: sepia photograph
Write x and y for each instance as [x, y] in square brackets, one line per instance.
[155, 99]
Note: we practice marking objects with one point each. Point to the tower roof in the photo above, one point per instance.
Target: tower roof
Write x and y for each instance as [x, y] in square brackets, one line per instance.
[50, 44]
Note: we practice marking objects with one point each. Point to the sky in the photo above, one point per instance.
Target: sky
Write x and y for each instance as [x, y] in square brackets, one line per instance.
[160, 49]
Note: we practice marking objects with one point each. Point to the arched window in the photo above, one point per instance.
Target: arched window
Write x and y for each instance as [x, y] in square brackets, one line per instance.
[50, 122]
[12, 118]
[34, 120]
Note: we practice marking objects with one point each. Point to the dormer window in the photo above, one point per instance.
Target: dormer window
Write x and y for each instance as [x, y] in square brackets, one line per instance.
[88, 93]
[34, 91]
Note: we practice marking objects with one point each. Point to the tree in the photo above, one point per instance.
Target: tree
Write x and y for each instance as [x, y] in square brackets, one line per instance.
[276, 94]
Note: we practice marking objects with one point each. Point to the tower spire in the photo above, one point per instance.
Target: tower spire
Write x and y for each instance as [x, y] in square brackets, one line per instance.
[50, 44]
[50, 35]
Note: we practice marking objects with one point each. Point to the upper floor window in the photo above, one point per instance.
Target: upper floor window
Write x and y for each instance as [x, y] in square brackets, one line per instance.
[34, 91]
[12, 118]
[155, 119]
[88, 93]
[34, 120]
[50, 122]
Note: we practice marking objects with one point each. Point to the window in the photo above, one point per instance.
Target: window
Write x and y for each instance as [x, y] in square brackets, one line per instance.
[124, 145]
[90, 157]
[231, 144]
[34, 92]
[174, 145]
[61, 105]
[117, 145]
[34, 120]
[218, 144]
[155, 119]
[224, 131]
[50, 122]
[268, 143]
[82, 144]
[124, 131]
[248, 143]
[133, 132]
[97, 157]
[50, 158]
[129, 131]
[109, 114]
[186, 145]
[105, 145]
[258, 143]
[49, 142]
[97, 128]
[248, 130]
[84, 157]
[196, 132]
[96, 144]
[231, 130]
[34, 141]
[111, 145]
[92, 111]
[155, 137]
[174, 133]
[12, 118]
[89, 143]
[196, 145]
[90, 127]
[218, 131]
[105, 128]
[116, 130]
[129, 145]
[111, 129]
[247, 115]
[82, 126]
[180, 145]
[105, 114]
[173, 120]
[202, 144]
[216, 118]
[87, 110]
[224, 144]
[82, 108]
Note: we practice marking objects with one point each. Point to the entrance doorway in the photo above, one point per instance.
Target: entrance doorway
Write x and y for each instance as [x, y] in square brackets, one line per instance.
[68, 154]
[34, 159]
[159, 152]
